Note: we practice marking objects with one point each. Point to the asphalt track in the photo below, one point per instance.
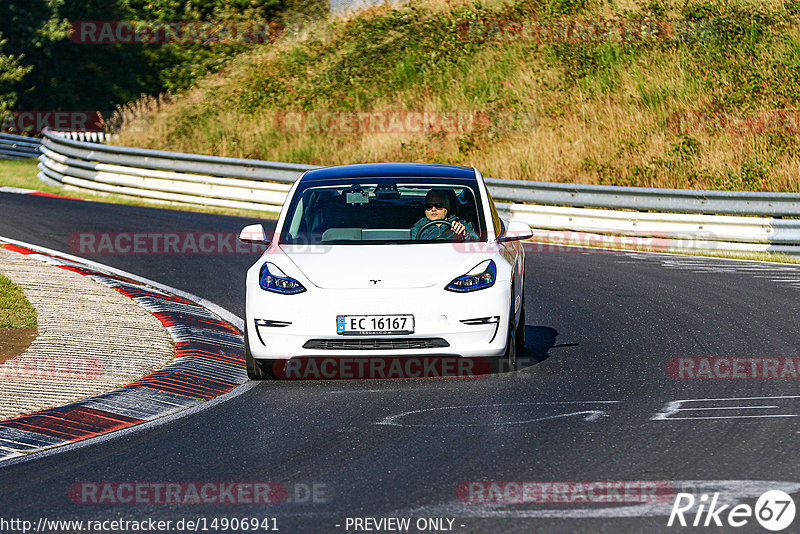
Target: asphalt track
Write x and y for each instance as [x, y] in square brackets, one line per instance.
[601, 326]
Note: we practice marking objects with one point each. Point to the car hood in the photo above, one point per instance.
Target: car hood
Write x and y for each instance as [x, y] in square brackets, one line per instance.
[393, 266]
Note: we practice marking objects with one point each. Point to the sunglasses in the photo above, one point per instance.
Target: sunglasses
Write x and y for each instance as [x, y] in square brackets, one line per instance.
[437, 205]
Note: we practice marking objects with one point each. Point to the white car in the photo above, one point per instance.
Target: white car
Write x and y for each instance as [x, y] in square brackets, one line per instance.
[386, 260]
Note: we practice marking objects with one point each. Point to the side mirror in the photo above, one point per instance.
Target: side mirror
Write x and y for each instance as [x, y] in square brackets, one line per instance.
[254, 233]
[516, 231]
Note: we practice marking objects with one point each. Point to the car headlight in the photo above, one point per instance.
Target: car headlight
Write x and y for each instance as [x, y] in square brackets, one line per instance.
[481, 276]
[271, 278]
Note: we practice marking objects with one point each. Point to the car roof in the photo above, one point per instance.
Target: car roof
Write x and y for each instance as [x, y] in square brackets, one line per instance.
[378, 170]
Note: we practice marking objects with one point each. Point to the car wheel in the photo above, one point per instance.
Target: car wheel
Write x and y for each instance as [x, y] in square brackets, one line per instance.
[255, 369]
[508, 361]
[521, 327]
[510, 357]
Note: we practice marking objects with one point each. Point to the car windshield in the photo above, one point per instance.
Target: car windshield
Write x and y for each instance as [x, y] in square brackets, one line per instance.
[383, 211]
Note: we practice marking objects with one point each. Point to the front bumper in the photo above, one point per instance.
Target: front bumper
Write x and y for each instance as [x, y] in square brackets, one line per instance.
[287, 323]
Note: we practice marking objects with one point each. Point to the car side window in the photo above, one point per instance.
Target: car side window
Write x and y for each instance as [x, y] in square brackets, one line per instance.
[496, 222]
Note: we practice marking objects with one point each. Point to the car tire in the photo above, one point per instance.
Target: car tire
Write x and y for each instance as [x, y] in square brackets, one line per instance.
[510, 357]
[255, 368]
[521, 328]
[508, 361]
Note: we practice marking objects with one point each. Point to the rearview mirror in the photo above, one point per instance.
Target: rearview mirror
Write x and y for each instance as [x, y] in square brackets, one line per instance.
[254, 233]
[516, 231]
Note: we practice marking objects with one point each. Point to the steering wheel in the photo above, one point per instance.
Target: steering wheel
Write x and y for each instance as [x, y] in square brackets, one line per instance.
[433, 223]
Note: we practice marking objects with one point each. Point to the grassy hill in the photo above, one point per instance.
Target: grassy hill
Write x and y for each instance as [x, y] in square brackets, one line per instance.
[662, 93]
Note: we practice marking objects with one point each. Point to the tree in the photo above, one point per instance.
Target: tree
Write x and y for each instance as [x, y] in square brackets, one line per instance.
[43, 69]
[31, 28]
[11, 73]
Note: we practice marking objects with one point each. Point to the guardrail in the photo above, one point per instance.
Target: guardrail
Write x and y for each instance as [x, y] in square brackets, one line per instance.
[18, 146]
[91, 137]
[262, 185]
[660, 231]
[167, 176]
[648, 199]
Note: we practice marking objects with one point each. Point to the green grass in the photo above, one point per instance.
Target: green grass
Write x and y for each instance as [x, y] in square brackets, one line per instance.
[15, 310]
[22, 174]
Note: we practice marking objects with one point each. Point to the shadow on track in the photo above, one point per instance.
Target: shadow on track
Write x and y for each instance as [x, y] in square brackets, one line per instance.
[538, 342]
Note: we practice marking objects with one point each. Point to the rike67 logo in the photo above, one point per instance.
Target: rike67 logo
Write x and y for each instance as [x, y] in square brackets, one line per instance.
[774, 510]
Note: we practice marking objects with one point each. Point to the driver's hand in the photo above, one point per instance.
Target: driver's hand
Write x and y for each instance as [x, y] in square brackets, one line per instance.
[459, 228]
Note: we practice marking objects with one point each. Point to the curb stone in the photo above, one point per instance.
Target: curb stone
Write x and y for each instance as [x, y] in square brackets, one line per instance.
[23, 191]
[209, 362]
[90, 339]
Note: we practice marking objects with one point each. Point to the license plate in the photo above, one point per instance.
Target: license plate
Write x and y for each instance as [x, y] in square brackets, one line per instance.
[362, 325]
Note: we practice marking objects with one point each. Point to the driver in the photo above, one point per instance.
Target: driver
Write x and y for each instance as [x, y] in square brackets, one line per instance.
[437, 207]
